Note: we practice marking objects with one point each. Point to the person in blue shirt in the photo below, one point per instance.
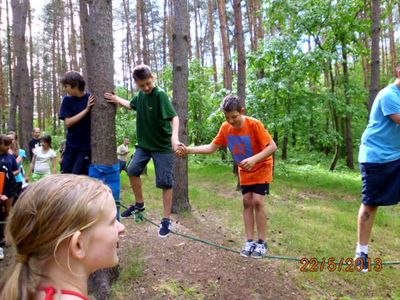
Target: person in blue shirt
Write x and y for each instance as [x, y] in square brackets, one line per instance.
[75, 111]
[379, 159]
[19, 155]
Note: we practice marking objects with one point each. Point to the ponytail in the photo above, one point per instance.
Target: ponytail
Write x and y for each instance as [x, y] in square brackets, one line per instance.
[15, 283]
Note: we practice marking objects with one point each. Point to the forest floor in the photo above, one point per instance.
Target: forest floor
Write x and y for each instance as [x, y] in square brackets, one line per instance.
[311, 213]
[179, 268]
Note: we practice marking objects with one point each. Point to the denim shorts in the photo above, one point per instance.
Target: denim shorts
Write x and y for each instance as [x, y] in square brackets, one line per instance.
[163, 165]
[380, 183]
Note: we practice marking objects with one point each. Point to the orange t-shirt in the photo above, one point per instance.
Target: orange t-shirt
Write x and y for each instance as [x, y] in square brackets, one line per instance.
[245, 142]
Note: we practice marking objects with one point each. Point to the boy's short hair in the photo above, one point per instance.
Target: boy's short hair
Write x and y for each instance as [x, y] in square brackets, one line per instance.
[141, 72]
[231, 103]
[5, 140]
[74, 79]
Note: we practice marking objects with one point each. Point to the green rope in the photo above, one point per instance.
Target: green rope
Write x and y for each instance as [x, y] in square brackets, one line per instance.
[140, 217]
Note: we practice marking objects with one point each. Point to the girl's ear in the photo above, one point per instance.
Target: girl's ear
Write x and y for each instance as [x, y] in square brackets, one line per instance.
[76, 245]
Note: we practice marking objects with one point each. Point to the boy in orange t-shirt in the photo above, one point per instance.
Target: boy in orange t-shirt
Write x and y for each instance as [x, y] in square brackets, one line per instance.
[251, 147]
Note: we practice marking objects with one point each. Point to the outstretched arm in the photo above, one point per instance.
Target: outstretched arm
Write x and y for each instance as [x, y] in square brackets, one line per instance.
[175, 133]
[203, 149]
[111, 98]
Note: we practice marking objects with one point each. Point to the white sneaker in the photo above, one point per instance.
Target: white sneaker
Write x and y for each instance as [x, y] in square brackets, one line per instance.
[248, 249]
[1, 253]
[260, 250]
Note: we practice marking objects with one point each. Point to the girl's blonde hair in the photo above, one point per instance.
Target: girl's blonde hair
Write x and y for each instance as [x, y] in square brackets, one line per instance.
[47, 213]
[15, 144]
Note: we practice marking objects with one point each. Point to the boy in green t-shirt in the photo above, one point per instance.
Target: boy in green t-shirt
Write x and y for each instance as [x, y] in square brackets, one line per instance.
[157, 126]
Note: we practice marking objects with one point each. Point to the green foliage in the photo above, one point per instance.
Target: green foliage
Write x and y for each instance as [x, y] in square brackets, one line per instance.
[125, 120]
[296, 83]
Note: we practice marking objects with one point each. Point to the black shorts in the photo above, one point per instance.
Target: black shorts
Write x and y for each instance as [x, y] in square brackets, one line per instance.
[261, 189]
[75, 161]
[380, 183]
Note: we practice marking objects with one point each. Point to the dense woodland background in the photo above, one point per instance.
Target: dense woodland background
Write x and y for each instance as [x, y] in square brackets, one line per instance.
[309, 69]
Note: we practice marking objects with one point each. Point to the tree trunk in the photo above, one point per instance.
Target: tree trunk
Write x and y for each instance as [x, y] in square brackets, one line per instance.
[145, 37]
[3, 98]
[22, 89]
[180, 100]
[348, 134]
[376, 23]
[393, 54]
[129, 43]
[12, 118]
[72, 41]
[239, 37]
[225, 45]
[165, 34]
[138, 31]
[96, 20]
[212, 42]
[196, 26]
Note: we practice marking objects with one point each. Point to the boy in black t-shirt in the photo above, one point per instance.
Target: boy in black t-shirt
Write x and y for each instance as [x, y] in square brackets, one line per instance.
[75, 111]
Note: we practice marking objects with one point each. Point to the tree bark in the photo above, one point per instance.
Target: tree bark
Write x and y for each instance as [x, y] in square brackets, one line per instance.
[12, 118]
[3, 98]
[180, 100]
[241, 54]
[96, 20]
[225, 45]
[375, 78]
[212, 42]
[393, 54]
[22, 88]
[348, 134]
[72, 41]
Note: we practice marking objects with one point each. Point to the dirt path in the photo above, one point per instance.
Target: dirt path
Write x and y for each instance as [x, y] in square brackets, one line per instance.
[177, 268]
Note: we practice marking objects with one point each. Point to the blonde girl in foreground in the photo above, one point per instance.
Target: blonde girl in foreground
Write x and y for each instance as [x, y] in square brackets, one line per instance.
[62, 229]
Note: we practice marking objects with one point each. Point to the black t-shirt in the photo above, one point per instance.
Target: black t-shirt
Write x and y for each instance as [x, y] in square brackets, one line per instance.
[78, 136]
[32, 144]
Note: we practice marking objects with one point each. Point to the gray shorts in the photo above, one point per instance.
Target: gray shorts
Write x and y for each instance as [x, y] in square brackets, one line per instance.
[163, 165]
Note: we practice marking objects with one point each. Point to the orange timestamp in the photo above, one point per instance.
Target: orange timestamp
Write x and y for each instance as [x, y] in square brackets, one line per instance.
[339, 265]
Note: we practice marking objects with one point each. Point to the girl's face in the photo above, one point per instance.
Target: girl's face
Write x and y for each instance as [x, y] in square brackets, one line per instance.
[102, 241]
[45, 145]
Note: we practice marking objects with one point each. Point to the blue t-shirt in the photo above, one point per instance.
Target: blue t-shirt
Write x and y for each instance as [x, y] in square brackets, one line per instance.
[9, 161]
[78, 136]
[20, 177]
[380, 142]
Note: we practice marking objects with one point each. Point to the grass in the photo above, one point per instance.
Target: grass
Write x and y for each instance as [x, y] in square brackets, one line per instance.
[312, 213]
[133, 269]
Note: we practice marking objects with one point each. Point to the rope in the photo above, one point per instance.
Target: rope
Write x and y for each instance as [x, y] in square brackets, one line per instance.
[139, 217]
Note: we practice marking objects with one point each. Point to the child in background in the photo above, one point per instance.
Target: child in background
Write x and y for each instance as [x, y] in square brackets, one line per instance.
[8, 166]
[69, 231]
[44, 161]
[251, 147]
[20, 156]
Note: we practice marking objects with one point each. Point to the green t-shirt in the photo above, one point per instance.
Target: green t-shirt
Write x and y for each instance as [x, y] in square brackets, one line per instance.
[154, 113]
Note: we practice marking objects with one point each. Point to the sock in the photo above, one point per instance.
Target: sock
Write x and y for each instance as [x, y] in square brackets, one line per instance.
[260, 241]
[362, 248]
[249, 241]
[139, 204]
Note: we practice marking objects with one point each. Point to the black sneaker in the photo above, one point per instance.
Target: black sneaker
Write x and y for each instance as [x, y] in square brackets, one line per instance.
[165, 228]
[133, 209]
[364, 261]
